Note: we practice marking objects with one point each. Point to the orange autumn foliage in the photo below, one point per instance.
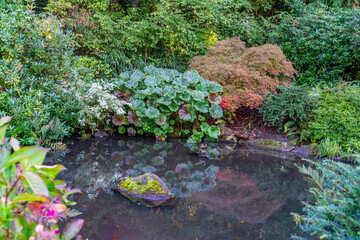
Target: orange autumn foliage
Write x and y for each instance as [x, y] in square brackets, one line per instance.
[246, 74]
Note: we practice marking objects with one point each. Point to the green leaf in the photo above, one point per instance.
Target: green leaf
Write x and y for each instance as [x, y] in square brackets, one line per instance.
[152, 112]
[151, 81]
[214, 87]
[214, 132]
[214, 98]
[72, 229]
[32, 155]
[50, 171]
[137, 104]
[216, 111]
[173, 107]
[197, 95]
[121, 129]
[131, 84]
[202, 106]
[29, 197]
[204, 127]
[196, 137]
[36, 183]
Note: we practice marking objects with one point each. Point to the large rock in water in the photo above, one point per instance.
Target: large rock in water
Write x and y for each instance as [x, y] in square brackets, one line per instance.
[147, 188]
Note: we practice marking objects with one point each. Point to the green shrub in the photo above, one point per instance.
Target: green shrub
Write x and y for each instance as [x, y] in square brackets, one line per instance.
[31, 201]
[163, 102]
[322, 43]
[36, 65]
[335, 213]
[246, 73]
[161, 32]
[290, 109]
[337, 117]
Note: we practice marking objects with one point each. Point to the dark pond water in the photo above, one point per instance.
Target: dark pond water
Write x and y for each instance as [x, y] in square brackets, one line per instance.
[245, 194]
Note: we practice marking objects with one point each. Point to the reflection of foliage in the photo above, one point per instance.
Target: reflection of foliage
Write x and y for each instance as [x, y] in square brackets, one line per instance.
[238, 194]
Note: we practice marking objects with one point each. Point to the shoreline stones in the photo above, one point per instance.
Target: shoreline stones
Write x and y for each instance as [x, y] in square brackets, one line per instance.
[147, 188]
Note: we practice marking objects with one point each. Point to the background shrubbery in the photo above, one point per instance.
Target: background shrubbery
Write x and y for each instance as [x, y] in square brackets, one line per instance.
[322, 42]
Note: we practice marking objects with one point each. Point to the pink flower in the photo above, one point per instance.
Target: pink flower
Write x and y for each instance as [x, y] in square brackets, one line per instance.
[57, 231]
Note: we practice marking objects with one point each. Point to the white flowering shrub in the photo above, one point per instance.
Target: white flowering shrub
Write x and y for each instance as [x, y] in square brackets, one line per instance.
[99, 105]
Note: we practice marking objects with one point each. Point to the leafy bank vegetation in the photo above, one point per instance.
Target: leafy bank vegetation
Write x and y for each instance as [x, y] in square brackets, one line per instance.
[77, 67]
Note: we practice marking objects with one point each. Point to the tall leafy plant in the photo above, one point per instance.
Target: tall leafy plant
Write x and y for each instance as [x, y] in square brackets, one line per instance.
[31, 200]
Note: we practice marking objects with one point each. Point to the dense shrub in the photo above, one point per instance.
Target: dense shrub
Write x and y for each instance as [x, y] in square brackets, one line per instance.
[161, 32]
[247, 74]
[335, 213]
[290, 109]
[32, 202]
[322, 43]
[337, 117]
[36, 64]
[159, 102]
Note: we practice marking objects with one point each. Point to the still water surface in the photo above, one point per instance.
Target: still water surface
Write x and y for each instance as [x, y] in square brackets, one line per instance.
[247, 193]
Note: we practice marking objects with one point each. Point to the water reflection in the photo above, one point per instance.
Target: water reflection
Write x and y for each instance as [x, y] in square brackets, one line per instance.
[244, 194]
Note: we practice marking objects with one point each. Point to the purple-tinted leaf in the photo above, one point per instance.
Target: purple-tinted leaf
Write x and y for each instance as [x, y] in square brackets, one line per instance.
[214, 98]
[131, 132]
[183, 112]
[118, 120]
[161, 120]
[123, 95]
[132, 117]
[72, 229]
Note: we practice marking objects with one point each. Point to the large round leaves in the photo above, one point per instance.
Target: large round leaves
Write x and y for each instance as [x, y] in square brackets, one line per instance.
[152, 112]
[216, 111]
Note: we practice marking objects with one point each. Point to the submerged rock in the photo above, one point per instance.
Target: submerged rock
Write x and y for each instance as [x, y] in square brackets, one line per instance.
[101, 134]
[307, 150]
[273, 144]
[147, 188]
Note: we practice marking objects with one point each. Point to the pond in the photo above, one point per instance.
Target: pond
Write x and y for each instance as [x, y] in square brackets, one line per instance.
[247, 193]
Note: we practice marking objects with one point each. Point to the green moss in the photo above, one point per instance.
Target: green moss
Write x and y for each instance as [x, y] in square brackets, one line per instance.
[151, 186]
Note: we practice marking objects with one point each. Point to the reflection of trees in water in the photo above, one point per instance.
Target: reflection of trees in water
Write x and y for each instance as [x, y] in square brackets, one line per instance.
[254, 188]
[237, 193]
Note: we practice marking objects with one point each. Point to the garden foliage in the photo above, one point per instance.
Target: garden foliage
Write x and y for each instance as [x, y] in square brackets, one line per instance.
[163, 33]
[36, 64]
[322, 43]
[163, 102]
[289, 110]
[246, 74]
[31, 201]
[335, 213]
[337, 117]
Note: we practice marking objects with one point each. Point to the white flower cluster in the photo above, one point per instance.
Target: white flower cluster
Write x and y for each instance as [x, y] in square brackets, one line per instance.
[99, 105]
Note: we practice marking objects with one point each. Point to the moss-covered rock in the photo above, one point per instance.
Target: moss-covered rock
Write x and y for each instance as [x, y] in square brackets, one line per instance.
[147, 188]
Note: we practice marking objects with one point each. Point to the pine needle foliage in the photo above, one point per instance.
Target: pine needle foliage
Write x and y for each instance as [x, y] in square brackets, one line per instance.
[336, 211]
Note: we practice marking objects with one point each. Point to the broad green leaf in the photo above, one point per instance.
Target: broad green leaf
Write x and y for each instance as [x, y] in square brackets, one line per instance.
[152, 112]
[214, 87]
[29, 197]
[137, 104]
[204, 127]
[197, 95]
[173, 107]
[49, 171]
[214, 132]
[72, 229]
[216, 111]
[22, 154]
[38, 157]
[36, 183]
[202, 107]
